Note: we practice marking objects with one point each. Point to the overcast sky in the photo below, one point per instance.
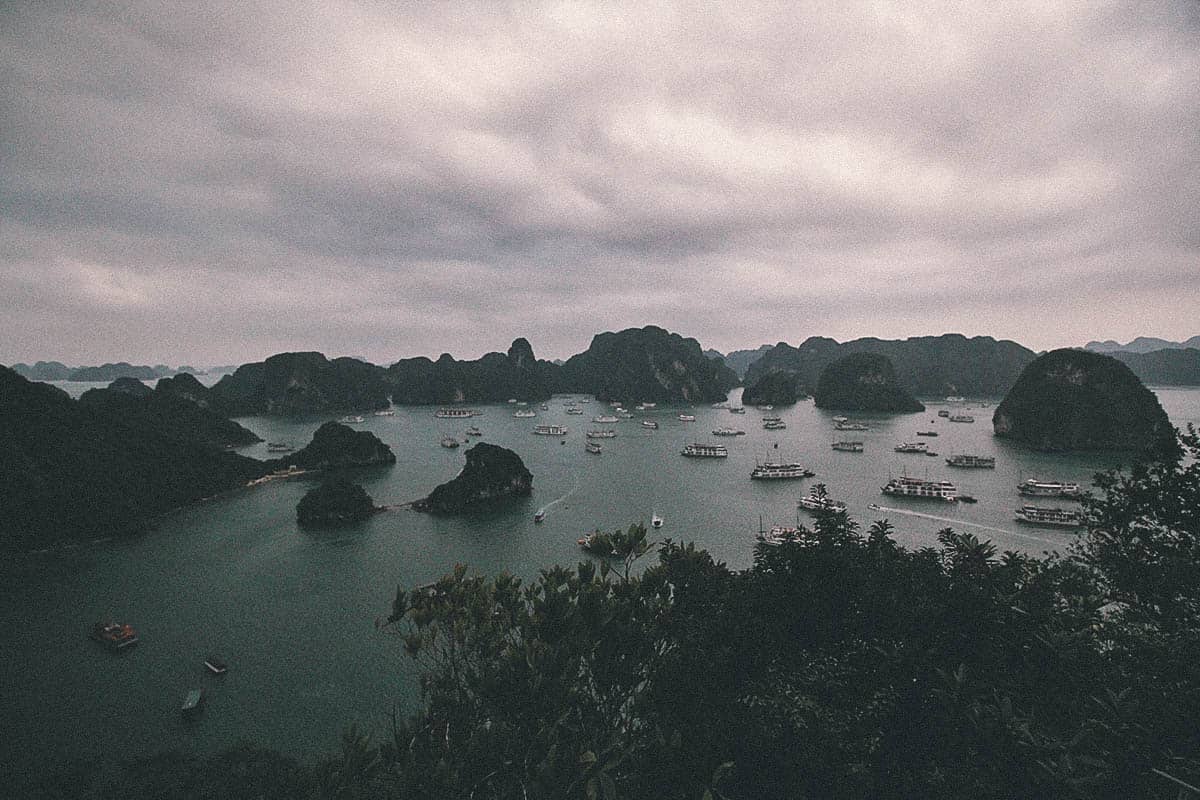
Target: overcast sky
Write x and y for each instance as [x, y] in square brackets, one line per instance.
[393, 179]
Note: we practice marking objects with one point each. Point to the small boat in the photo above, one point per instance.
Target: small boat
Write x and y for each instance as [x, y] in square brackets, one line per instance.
[540, 516]
[1032, 487]
[649, 423]
[705, 451]
[841, 419]
[215, 665]
[649, 405]
[737, 410]
[911, 447]
[549, 430]
[972, 461]
[474, 431]
[279, 447]
[387, 412]
[850, 426]
[602, 434]
[687, 417]
[728, 432]
[605, 419]
[351, 419]
[943, 413]
[193, 701]
[544, 407]
[961, 418]
[454, 413]
[525, 413]
[1049, 517]
[574, 410]
[522, 403]
[766, 407]
[966, 498]
[955, 399]
[817, 500]
[449, 442]
[114, 635]
[927, 433]
[512, 401]
[592, 447]
[656, 521]
[874, 506]
[848, 447]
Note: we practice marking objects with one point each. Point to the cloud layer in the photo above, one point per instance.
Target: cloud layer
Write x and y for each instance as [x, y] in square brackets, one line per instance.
[396, 179]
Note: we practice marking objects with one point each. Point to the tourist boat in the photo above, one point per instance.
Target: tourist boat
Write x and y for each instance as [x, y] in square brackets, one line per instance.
[114, 635]
[1035, 488]
[646, 406]
[766, 407]
[605, 434]
[522, 403]
[525, 413]
[215, 665]
[544, 407]
[540, 516]
[550, 430]
[455, 413]
[927, 433]
[592, 447]
[847, 425]
[687, 417]
[905, 486]
[387, 412]
[772, 419]
[449, 442]
[943, 413]
[656, 521]
[966, 498]
[841, 419]
[350, 419]
[193, 701]
[705, 451]
[774, 425]
[279, 447]
[574, 410]
[605, 419]
[737, 410]
[474, 431]
[512, 400]
[978, 462]
[649, 423]
[779, 535]
[911, 447]
[817, 500]
[955, 399]
[623, 414]
[848, 447]
[1049, 517]
[728, 432]
[769, 470]
[961, 418]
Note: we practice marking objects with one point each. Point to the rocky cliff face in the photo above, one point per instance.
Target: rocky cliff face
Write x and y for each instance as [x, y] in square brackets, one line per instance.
[775, 388]
[1076, 400]
[647, 364]
[491, 474]
[335, 445]
[334, 503]
[302, 383]
[863, 382]
[927, 365]
[494, 378]
[171, 414]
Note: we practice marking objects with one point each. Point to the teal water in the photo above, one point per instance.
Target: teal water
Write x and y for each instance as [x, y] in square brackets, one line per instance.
[294, 612]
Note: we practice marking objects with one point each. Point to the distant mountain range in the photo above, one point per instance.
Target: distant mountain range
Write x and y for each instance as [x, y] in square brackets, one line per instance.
[57, 371]
[740, 360]
[1142, 344]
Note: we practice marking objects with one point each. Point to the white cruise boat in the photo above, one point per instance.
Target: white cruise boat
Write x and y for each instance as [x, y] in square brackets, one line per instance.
[841, 419]
[728, 432]
[351, 419]
[774, 425]
[847, 425]
[649, 423]
[453, 413]
[766, 407]
[779, 535]
[656, 521]
[525, 413]
[772, 471]
[912, 447]
[943, 413]
[915, 487]
[574, 410]
[955, 399]
[474, 431]
[387, 412]
[592, 447]
[449, 442]
[705, 451]
[649, 405]
[1049, 517]
[961, 418]
[279, 447]
[976, 462]
[848, 447]
[1035, 488]
[605, 434]
[687, 417]
[550, 430]
[605, 419]
[817, 500]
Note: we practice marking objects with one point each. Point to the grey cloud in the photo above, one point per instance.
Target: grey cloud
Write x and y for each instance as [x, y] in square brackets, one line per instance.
[213, 185]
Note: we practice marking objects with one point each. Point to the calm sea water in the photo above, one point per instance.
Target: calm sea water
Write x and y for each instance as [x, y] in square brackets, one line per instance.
[294, 612]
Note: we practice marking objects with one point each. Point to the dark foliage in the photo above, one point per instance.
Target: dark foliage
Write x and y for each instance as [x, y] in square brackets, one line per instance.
[491, 473]
[333, 503]
[170, 413]
[1077, 400]
[863, 382]
[302, 383]
[775, 388]
[926, 365]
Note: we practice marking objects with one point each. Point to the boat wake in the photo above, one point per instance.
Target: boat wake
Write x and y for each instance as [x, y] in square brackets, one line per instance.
[553, 503]
[957, 522]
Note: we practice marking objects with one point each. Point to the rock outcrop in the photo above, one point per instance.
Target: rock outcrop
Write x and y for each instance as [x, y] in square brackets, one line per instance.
[1077, 400]
[863, 382]
[170, 414]
[494, 378]
[302, 383]
[647, 364]
[334, 446]
[491, 474]
[775, 388]
[334, 503]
